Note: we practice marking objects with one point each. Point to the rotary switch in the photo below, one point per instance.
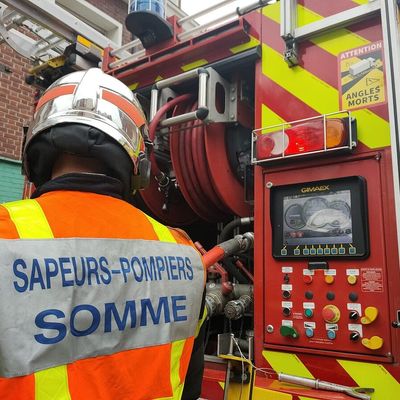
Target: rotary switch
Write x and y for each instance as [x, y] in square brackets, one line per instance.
[331, 314]
[354, 336]
[353, 315]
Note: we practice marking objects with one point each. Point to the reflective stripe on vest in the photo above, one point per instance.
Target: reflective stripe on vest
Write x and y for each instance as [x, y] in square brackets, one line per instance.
[52, 383]
[31, 223]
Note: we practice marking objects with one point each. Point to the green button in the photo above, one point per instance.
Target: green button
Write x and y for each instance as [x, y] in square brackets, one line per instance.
[308, 312]
[288, 331]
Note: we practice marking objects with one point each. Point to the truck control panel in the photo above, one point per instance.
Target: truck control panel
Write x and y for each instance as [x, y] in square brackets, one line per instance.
[325, 279]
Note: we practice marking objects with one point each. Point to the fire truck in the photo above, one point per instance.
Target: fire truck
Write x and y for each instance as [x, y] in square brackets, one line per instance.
[278, 125]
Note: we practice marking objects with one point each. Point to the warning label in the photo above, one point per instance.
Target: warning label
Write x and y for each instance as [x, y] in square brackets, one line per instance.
[361, 77]
[372, 280]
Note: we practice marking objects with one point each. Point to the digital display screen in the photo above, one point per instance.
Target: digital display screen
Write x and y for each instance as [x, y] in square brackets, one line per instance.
[320, 219]
[317, 218]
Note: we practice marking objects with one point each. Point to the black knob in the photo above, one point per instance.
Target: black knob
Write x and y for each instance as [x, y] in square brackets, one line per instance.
[286, 278]
[353, 315]
[286, 294]
[286, 311]
[354, 336]
[396, 324]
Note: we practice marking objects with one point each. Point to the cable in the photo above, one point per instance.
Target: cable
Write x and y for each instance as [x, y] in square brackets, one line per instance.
[265, 371]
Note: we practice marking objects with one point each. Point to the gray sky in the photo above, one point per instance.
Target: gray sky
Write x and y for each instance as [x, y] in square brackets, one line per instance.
[193, 6]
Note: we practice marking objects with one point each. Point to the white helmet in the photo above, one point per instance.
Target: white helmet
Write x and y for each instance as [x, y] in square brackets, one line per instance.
[90, 99]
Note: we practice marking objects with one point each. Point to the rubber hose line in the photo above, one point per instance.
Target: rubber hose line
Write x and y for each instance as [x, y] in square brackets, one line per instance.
[202, 168]
[196, 181]
[180, 168]
[198, 202]
[155, 122]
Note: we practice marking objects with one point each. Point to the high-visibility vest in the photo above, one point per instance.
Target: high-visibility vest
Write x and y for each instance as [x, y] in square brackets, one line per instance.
[140, 373]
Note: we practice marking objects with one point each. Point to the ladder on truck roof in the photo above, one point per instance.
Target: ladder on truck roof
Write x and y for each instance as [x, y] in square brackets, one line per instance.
[41, 31]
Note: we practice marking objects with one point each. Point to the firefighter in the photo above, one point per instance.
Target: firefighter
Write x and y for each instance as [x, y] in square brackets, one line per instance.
[97, 299]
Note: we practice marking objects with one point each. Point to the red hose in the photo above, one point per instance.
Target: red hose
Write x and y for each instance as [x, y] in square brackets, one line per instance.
[190, 162]
[154, 124]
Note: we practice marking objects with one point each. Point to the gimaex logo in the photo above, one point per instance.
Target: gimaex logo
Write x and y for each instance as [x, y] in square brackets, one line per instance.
[312, 189]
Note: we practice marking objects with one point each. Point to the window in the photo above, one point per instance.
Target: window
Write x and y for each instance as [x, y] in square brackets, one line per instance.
[11, 180]
[94, 17]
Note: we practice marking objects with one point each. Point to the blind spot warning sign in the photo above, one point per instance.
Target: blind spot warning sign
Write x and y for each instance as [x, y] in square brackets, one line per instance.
[361, 77]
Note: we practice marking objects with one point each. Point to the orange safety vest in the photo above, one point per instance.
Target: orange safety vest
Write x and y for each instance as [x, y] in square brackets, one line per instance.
[155, 372]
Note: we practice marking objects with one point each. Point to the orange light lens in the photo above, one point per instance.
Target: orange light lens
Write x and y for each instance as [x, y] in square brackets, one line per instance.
[335, 133]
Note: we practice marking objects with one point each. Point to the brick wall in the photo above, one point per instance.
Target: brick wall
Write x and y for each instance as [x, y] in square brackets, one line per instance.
[116, 9]
[16, 97]
[15, 102]
[16, 105]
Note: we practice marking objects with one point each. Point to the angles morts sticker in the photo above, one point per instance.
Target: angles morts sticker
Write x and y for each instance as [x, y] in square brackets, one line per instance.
[361, 77]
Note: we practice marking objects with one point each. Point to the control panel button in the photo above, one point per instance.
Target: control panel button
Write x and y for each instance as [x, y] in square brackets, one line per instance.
[352, 279]
[307, 279]
[370, 315]
[308, 312]
[331, 314]
[353, 296]
[331, 334]
[286, 311]
[329, 279]
[288, 331]
[286, 278]
[309, 295]
[330, 296]
[353, 315]
[354, 336]
[309, 332]
[374, 343]
[286, 294]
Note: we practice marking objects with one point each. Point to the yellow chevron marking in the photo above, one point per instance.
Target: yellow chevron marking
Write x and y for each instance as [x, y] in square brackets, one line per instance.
[307, 398]
[300, 82]
[273, 11]
[373, 375]
[306, 16]
[258, 393]
[266, 394]
[322, 97]
[338, 41]
[268, 117]
[333, 42]
[133, 86]
[159, 78]
[253, 42]
[194, 64]
[360, 2]
[287, 363]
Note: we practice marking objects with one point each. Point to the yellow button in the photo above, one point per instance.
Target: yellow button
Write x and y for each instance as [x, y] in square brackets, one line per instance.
[329, 279]
[370, 315]
[352, 279]
[375, 343]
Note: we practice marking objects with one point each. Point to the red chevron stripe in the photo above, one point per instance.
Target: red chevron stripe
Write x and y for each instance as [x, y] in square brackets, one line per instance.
[282, 102]
[327, 8]
[328, 370]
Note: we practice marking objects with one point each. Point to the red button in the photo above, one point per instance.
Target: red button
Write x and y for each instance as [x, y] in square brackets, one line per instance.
[328, 314]
[331, 313]
[307, 279]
